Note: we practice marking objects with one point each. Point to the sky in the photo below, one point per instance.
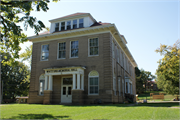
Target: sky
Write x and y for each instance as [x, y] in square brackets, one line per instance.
[145, 23]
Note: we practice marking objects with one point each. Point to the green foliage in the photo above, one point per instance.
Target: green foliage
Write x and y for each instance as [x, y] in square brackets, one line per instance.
[27, 55]
[168, 69]
[142, 77]
[13, 13]
[15, 79]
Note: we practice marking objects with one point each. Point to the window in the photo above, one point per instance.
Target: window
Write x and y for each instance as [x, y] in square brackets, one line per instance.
[113, 46]
[93, 83]
[74, 49]
[62, 26]
[119, 86]
[126, 87]
[41, 84]
[81, 23]
[114, 84]
[118, 54]
[62, 50]
[68, 25]
[56, 27]
[74, 24]
[93, 45]
[44, 52]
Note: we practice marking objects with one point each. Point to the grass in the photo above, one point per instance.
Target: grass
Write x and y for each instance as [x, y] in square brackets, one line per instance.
[146, 111]
[167, 97]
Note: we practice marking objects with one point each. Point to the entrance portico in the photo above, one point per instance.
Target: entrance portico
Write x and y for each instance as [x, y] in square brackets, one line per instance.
[76, 75]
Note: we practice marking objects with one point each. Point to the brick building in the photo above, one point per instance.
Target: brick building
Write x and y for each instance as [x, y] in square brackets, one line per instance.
[81, 61]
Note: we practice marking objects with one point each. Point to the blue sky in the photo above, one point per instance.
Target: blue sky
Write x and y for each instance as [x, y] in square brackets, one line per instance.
[145, 23]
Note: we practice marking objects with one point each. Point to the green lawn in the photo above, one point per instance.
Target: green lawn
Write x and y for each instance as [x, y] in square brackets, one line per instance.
[111, 111]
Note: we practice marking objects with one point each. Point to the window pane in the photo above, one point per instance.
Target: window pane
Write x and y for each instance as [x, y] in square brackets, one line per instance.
[76, 53]
[69, 90]
[74, 24]
[67, 81]
[91, 81]
[80, 23]
[96, 89]
[62, 25]
[68, 25]
[57, 27]
[96, 51]
[95, 81]
[45, 56]
[64, 90]
[91, 89]
[91, 51]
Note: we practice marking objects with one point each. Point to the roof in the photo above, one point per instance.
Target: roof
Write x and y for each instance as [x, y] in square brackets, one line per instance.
[95, 24]
[72, 15]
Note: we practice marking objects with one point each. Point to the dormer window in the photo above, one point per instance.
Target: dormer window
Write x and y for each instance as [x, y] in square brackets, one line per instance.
[74, 24]
[68, 25]
[81, 21]
[56, 27]
[62, 26]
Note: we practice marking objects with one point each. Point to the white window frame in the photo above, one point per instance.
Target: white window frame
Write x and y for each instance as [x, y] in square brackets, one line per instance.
[64, 25]
[76, 23]
[119, 85]
[70, 25]
[114, 85]
[55, 27]
[89, 47]
[41, 79]
[83, 22]
[70, 49]
[89, 83]
[41, 53]
[58, 52]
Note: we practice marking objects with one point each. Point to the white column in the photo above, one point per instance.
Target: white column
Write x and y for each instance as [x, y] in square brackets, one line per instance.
[50, 82]
[46, 79]
[74, 81]
[78, 81]
[82, 82]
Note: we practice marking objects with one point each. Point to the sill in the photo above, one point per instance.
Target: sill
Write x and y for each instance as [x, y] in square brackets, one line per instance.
[92, 55]
[61, 58]
[43, 60]
[73, 57]
[93, 94]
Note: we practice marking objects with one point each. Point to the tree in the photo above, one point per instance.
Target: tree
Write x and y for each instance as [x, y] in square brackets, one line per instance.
[168, 68]
[13, 13]
[15, 79]
[142, 77]
[27, 55]
[139, 81]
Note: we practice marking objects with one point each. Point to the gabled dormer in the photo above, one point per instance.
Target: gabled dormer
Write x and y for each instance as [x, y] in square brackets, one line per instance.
[70, 22]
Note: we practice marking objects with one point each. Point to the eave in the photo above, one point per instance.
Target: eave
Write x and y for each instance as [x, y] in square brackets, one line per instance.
[111, 28]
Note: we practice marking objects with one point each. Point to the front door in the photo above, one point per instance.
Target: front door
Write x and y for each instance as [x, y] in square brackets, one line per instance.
[66, 90]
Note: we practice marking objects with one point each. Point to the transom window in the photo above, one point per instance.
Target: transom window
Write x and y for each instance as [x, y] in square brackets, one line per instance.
[74, 24]
[44, 52]
[93, 83]
[93, 46]
[81, 22]
[74, 48]
[62, 50]
[62, 26]
[56, 27]
[68, 25]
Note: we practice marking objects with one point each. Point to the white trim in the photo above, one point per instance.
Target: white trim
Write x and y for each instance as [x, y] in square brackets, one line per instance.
[41, 53]
[89, 82]
[66, 86]
[58, 51]
[89, 47]
[70, 50]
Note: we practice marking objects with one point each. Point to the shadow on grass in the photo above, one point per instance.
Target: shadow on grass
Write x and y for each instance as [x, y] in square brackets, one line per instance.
[129, 105]
[37, 116]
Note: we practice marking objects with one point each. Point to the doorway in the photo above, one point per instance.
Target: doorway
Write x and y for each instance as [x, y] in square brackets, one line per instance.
[66, 90]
